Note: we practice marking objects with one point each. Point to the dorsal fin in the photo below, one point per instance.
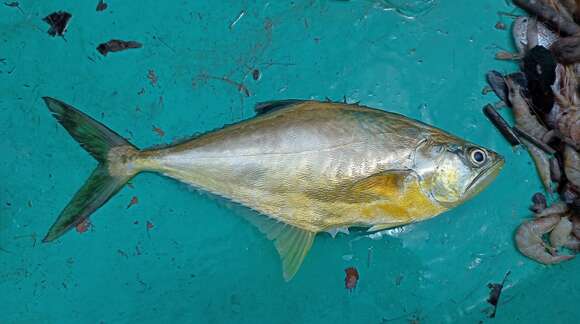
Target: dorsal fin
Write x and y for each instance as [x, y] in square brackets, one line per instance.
[291, 242]
[274, 105]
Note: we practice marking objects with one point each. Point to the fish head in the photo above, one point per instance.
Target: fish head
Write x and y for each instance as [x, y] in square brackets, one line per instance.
[455, 172]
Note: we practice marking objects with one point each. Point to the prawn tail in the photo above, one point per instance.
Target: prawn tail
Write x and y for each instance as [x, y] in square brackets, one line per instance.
[542, 162]
[116, 157]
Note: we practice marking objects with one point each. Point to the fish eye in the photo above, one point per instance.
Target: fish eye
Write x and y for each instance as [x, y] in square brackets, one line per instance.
[477, 156]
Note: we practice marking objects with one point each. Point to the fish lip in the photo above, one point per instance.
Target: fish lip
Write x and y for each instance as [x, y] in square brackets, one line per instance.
[494, 168]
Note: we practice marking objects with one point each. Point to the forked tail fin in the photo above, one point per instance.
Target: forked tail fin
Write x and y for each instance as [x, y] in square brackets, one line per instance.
[114, 154]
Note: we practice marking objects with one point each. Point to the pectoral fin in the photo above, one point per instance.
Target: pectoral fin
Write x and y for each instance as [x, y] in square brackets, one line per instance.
[394, 198]
[392, 183]
[291, 242]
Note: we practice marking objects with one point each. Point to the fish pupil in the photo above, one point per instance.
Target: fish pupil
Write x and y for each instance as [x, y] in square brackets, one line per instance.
[478, 157]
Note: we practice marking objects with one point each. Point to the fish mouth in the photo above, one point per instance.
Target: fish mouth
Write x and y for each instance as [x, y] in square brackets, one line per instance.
[484, 178]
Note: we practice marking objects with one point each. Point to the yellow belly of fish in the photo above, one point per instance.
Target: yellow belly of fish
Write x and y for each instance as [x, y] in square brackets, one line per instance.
[395, 204]
[382, 201]
[411, 207]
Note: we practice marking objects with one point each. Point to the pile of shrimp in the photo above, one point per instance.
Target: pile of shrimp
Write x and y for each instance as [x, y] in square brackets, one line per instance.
[550, 134]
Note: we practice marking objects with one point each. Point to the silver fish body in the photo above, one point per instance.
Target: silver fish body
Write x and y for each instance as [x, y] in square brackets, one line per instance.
[305, 166]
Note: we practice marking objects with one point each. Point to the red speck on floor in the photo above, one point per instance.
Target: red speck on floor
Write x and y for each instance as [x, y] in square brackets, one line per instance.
[351, 278]
[133, 201]
[159, 131]
[149, 225]
[101, 5]
[84, 226]
[152, 77]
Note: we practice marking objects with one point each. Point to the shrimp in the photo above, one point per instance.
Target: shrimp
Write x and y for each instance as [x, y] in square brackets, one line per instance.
[562, 233]
[542, 161]
[576, 226]
[566, 115]
[522, 115]
[556, 208]
[529, 240]
[539, 202]
[573, 243]
[530, 124]
[572, 165]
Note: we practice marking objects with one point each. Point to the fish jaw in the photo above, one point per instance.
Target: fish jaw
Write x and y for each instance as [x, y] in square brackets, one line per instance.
[484, 179]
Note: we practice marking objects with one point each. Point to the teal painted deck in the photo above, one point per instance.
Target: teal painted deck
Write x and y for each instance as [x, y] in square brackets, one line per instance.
[200, 262]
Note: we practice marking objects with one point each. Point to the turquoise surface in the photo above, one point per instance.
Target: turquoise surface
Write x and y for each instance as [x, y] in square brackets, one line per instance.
[198, 261]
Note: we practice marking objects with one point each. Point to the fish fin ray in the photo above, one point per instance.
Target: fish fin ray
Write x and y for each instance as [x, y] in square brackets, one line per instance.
[292, 243]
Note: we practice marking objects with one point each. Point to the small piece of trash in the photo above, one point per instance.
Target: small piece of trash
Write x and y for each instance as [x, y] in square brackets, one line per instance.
[83, 226]
[149, 226]
[256, 75]
[495, 293]
[101, 5]
[134, 201]
[116, 45]
[58, 22]
[13, 4]
[152, 77]
[347, 257]
[238, 17]
[351, 278]
[159, 131]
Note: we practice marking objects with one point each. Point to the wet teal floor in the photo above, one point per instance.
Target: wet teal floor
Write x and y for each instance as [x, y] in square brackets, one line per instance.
[197, 261]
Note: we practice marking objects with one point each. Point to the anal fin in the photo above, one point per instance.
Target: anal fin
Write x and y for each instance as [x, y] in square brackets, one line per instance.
[291, 242]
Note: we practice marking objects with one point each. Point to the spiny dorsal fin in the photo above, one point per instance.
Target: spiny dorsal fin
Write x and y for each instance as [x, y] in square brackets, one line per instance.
[291, 242]
[274, 105]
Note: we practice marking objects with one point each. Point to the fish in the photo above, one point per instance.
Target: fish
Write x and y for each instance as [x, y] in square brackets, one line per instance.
[303, 167]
